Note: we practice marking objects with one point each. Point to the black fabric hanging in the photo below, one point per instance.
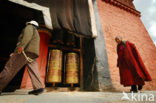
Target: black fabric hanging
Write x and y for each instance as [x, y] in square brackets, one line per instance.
[70, 15]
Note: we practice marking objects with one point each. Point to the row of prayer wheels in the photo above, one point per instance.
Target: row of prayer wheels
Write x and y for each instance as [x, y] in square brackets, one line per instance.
[54, 74]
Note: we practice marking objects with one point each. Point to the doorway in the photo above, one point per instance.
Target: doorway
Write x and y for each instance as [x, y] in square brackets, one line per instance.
[12, 20]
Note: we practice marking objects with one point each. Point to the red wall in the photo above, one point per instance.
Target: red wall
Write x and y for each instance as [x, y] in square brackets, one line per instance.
[116, 21]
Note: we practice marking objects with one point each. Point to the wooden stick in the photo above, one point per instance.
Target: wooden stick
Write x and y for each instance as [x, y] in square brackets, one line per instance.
[81, 64]
[72, 85]
[53, 84]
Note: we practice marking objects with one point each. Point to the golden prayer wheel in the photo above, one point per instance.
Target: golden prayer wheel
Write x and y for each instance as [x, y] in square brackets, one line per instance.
[72, 70]
[55, 66]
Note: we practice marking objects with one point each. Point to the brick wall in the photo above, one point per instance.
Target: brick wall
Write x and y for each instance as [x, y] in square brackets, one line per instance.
[116, 21]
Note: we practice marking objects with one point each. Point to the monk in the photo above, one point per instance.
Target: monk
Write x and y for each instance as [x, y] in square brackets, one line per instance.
[131, 67]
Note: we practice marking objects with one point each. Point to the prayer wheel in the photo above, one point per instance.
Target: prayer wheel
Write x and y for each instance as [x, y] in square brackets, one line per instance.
[55, 67]
[72, 70]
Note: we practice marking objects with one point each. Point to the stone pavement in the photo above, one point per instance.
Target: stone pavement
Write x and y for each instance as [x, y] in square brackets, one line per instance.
[21, 96]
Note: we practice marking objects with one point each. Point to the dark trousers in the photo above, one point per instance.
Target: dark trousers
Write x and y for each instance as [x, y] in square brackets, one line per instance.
[13, 66]
[134, 87]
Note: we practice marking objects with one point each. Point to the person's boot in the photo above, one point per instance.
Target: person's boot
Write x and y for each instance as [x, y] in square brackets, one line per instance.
[134, 89]
[37, 91]
[140, 87]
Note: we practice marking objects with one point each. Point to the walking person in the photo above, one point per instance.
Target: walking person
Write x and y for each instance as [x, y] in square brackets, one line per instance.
[26, 53]
[131, 67]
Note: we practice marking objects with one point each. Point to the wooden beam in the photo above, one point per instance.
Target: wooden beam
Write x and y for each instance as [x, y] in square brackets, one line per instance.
[81, 64]
[64, 48]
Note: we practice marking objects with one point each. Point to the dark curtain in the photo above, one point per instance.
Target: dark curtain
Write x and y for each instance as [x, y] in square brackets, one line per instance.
[90, 74]
[70, 15]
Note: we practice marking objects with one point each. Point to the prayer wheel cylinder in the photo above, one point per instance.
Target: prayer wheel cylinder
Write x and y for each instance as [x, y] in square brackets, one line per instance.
[72, 70]
[55, 66]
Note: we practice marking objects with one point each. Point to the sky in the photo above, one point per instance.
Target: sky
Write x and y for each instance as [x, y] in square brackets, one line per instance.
[148, 15]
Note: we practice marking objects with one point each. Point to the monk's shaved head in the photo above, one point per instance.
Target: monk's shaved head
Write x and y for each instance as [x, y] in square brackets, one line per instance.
[118, 39]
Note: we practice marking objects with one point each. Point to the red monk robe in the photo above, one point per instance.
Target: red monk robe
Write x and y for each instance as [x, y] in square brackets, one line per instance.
[131, 67]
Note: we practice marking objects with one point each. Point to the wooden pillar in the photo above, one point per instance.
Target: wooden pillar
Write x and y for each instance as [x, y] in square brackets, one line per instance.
[81, 64]
[41, 60]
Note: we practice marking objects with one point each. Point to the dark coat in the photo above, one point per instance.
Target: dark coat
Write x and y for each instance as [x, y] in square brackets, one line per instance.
[29, 39]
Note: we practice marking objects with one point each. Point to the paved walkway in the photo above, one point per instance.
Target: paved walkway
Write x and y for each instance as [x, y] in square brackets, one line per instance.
[21, 96]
